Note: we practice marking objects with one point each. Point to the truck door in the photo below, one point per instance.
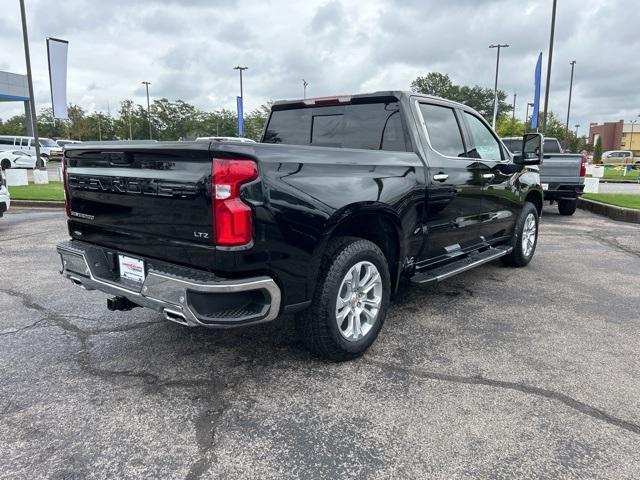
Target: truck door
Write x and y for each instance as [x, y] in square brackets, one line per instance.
[500, 205]
[454, 187]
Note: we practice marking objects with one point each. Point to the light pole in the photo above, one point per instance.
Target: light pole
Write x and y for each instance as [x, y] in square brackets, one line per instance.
[146, 84]
[305, 84]
[513, 112]
[32, 101]
[526, 117]
[241, 103]
[577, 125]
[546, 91]
[495, 88]
[573, 64]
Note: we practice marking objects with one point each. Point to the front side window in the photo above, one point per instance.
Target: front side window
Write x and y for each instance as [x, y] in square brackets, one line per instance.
[443, 129]
[482, 143]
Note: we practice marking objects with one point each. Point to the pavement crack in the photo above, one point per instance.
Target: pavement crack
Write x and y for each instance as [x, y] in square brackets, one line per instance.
[22, 329]
[572, 403]
[25, 298]
[613, 242]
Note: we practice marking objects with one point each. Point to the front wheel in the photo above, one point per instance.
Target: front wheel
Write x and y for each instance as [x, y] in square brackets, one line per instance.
[525, 237]
[350, 302]
[567, 207]
[5, 164]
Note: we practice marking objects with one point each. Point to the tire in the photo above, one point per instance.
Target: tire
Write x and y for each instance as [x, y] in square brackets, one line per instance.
[567, 207]
[521, 255]
[318, 325]
[5, 164]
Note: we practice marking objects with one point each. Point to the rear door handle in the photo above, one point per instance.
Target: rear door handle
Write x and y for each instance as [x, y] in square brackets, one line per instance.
[488, 176]
[440, 177]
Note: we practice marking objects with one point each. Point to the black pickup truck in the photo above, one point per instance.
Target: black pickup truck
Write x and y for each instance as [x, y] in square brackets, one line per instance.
[342, 198]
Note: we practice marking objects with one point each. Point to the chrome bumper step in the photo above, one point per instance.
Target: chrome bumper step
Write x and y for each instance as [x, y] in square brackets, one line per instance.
[186, 296]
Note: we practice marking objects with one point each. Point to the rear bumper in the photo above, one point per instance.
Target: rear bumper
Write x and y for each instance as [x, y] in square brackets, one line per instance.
[559, 191]
[186, 296]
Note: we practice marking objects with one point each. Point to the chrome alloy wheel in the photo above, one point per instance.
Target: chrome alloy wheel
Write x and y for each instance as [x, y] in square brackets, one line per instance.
[359, 300]
[529, 235]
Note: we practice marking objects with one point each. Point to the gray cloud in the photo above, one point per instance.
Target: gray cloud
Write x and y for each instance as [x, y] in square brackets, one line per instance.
[187, 49]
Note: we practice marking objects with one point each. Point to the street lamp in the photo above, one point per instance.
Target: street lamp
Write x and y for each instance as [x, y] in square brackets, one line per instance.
[241, 103]
[577, 125]
[32, 101]
[305, 84]
[546, 90]
[526, 117]
[573, 64]
[146, 84]
[495, 88]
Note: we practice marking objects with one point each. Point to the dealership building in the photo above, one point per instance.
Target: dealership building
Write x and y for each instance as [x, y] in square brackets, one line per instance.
[616, 136]
[14, 88]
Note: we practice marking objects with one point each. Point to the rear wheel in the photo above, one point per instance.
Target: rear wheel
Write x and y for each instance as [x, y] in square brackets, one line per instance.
[567, 207]
[525, 238]
[5, 164]
[350, 302]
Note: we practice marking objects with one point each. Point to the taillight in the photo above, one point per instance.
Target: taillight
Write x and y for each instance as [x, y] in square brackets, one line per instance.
[232, 218]
[583, 166]
[67, 200]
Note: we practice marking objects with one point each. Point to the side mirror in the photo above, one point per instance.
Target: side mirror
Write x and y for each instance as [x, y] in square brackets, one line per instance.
[532, 150]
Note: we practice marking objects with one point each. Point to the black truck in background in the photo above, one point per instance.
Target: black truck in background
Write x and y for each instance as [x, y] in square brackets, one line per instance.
[342, 198]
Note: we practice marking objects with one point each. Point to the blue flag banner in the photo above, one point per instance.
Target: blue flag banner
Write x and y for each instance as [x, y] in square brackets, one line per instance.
[536, 94]
[240, 117]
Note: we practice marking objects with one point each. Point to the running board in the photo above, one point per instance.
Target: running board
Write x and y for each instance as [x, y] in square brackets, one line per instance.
[449, 270]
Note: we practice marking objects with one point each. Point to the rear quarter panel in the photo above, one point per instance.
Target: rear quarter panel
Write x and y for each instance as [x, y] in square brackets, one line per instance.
[307, 191]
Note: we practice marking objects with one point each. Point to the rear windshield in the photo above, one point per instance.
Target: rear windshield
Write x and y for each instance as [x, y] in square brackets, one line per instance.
[370, 126]
[552, 146]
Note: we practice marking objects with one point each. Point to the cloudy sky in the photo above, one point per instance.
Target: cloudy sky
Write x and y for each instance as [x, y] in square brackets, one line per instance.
[187, 49]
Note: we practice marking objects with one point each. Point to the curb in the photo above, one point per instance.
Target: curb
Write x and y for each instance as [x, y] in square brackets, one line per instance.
[622, 214]
[37, 203]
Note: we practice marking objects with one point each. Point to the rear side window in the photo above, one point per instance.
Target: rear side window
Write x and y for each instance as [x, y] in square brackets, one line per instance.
[370, 126]
[6, 141]
[443, 129]
[482, 142]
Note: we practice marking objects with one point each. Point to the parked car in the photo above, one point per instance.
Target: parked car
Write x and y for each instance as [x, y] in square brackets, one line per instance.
[562, 174]
[225, 139]
[342, 198]
[18, 159]
[62, 142]
[5, 198]
[618, 156]
[48, 148]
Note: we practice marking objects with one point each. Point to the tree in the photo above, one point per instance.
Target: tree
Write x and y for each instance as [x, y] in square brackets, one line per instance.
[507, 126]
[597, 151]
[477, 97]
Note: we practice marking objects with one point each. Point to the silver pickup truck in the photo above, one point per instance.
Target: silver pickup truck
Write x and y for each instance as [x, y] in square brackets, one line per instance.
[561, 174]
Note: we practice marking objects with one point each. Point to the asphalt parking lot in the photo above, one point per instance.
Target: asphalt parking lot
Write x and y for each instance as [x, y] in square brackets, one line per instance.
[497, 373]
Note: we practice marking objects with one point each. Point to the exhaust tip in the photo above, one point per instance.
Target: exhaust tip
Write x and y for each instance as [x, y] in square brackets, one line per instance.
[175, 316]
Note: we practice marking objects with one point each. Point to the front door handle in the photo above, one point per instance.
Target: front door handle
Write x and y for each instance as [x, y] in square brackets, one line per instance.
[488, 176]
[440, 177]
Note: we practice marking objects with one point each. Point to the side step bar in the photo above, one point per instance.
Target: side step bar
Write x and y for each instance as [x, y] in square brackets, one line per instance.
[449, 270]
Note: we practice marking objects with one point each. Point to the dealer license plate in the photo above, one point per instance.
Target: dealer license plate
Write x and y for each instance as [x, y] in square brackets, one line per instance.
[545, 186]
[131, 268]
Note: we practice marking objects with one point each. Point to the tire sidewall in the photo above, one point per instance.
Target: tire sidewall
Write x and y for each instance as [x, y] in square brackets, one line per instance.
[340, 269]
[520, 257]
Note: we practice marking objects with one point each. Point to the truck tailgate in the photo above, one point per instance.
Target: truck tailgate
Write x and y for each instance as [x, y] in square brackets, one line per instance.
[561, 168]
[156, 201]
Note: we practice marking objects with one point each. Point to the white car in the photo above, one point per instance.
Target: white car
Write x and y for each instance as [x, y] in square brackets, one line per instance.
[18, 159]
[48, 148]
[5, 199]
